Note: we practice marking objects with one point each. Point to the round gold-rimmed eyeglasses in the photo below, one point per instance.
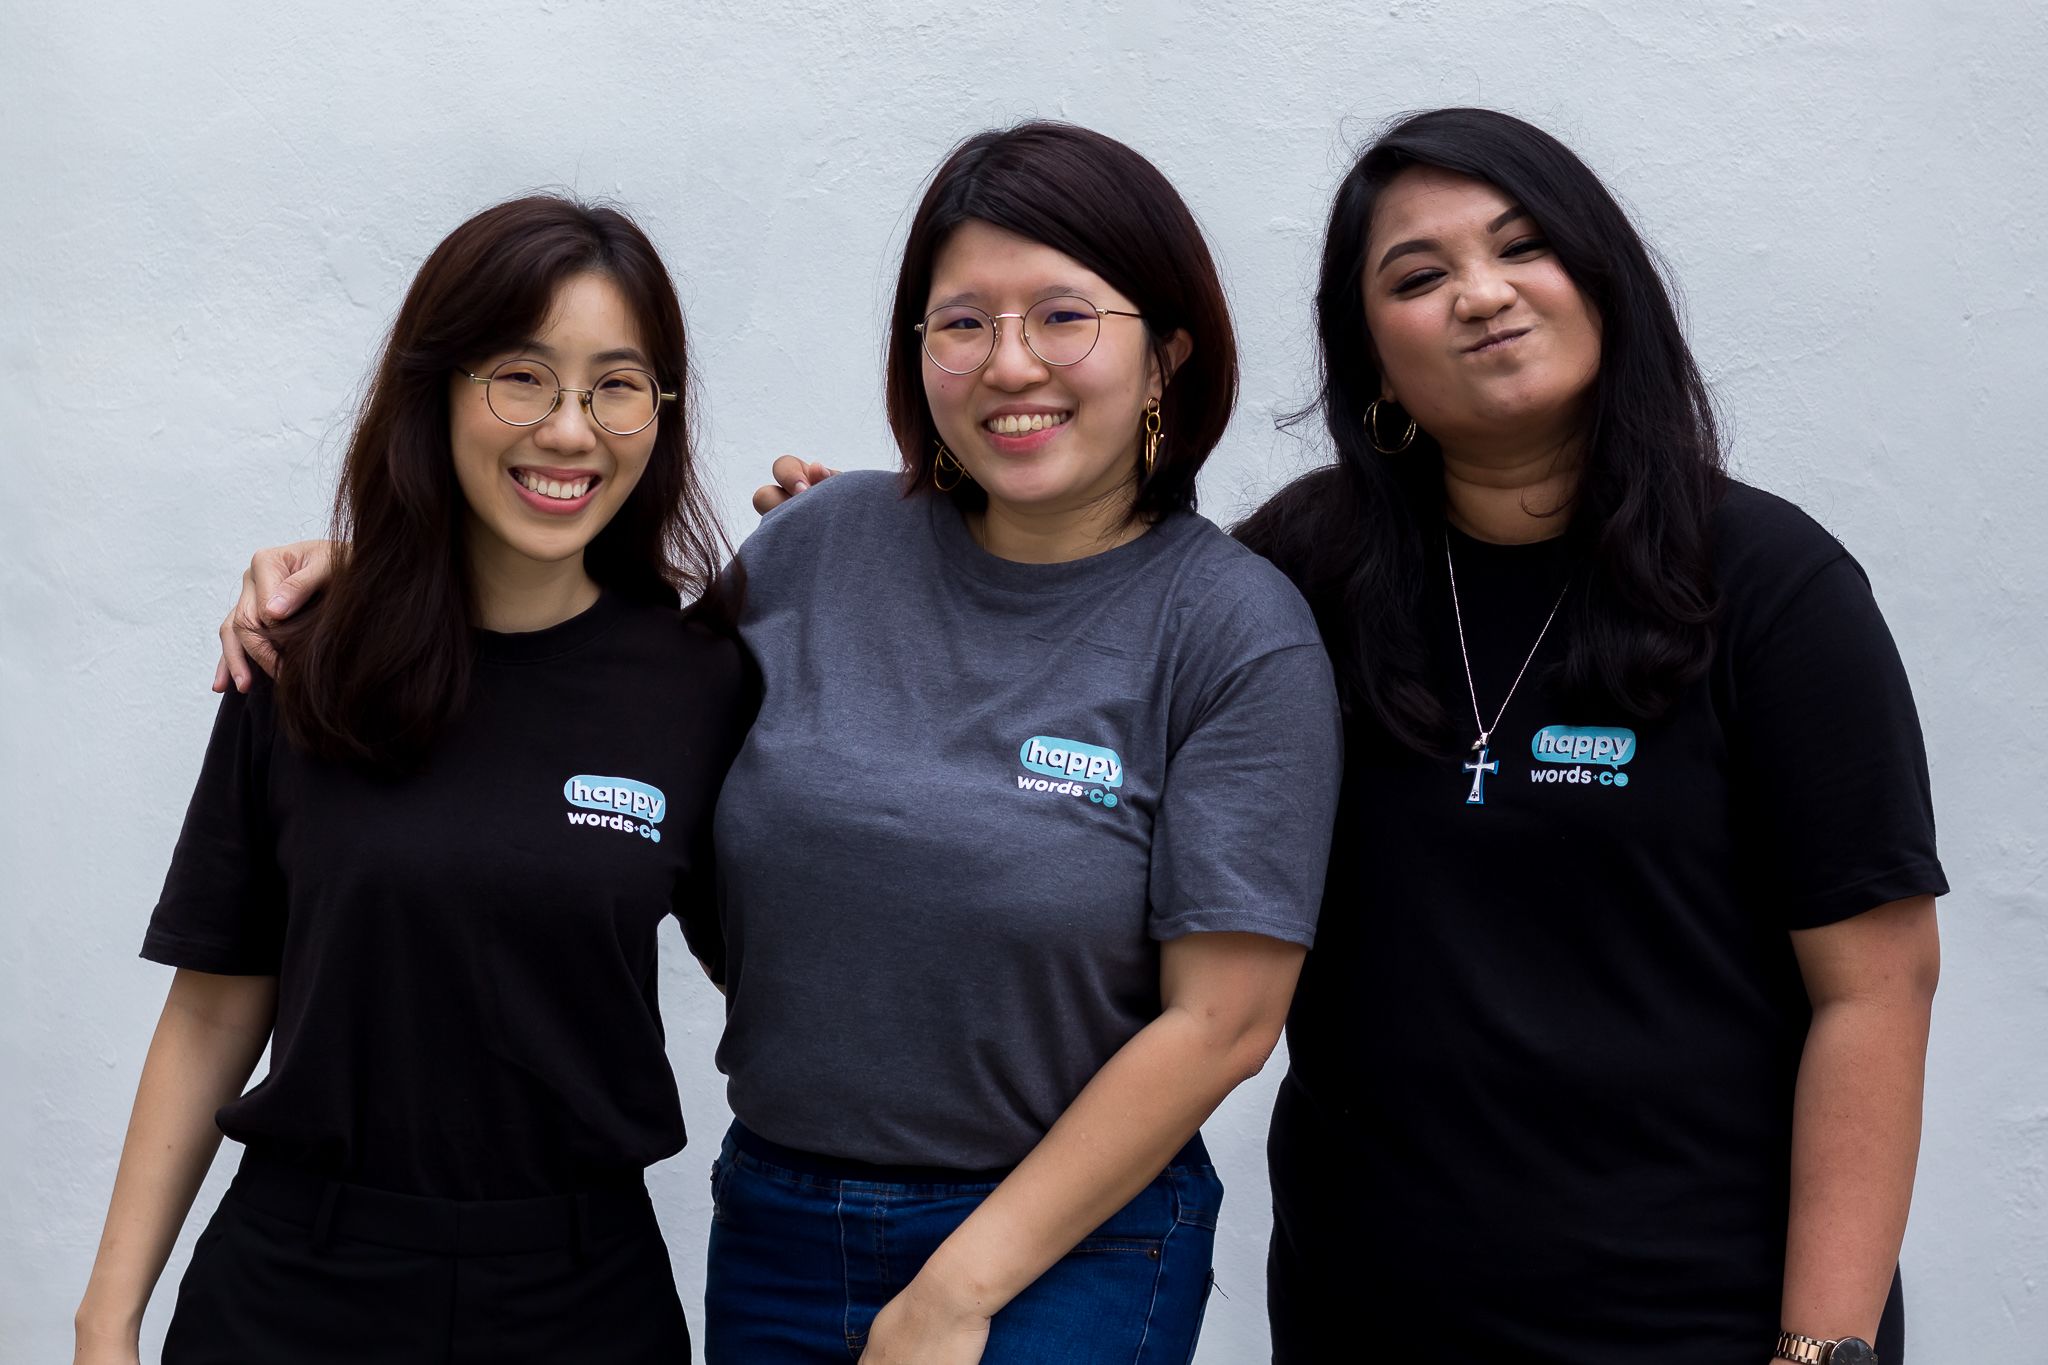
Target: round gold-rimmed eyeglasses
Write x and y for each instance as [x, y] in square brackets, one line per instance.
[525, 393]
[960, 338]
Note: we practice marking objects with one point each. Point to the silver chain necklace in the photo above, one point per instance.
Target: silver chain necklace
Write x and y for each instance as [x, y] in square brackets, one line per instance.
[1480, 767]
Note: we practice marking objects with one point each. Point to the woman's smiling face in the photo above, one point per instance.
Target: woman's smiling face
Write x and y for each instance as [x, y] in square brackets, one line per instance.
[543, 492]
[1039, 438]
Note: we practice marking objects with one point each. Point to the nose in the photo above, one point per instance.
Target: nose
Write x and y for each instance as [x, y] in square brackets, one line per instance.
[1486, 293]
[1013, 365]
[569, 428]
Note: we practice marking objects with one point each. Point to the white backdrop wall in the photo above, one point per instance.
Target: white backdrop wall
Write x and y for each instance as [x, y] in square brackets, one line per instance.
[210, 212]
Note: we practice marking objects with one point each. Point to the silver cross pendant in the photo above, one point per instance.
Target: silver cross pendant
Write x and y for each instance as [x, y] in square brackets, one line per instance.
[1479, 768]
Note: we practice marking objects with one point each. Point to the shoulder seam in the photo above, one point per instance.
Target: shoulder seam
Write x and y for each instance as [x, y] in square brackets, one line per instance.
[1792, 598]
[1208, 699]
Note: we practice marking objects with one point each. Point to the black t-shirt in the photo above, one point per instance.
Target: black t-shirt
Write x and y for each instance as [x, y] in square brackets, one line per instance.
[466, 957]
[1543, 1054]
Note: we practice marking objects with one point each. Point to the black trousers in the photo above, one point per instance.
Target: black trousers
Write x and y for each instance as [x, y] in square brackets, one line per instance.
[1327, 1281]
[296, 1269]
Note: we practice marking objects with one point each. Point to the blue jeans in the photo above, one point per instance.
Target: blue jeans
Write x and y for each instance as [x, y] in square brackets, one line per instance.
[803, 1255]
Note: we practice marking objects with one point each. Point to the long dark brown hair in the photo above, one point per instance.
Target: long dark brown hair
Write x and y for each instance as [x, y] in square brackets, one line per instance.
[1092, 198]
[1355, 536]
[375, 669]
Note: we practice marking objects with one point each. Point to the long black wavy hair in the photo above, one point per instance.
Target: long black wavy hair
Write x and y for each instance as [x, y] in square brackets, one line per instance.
[1354, 535]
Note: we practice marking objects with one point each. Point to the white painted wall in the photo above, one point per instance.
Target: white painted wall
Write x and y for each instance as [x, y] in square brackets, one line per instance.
[210, 211]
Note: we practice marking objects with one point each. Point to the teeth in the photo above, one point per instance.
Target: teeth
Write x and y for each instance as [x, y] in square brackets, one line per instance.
[565, 491]
[1014, 424]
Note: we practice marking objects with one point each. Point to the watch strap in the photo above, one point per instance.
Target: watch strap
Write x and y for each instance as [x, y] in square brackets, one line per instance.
[1803, 1350]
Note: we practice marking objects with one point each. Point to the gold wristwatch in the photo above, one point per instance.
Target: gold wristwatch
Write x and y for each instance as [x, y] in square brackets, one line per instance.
[1813, 1351]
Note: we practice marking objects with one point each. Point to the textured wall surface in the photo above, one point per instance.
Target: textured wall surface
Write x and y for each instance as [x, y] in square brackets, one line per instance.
[210, 211]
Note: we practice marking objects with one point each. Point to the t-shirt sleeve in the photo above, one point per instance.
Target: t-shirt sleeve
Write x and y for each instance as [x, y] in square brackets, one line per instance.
[1242, 836]
[696, 905]
[733, 697]
[223, 903]
[1829, 756]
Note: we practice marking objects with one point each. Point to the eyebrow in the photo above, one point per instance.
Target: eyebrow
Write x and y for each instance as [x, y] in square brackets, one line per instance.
[1413, 245]
[975, 296]
[617, 353]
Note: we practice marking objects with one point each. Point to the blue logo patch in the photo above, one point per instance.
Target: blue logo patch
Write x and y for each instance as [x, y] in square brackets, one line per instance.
[1606, 744]
[1072, 760]
[620, 794]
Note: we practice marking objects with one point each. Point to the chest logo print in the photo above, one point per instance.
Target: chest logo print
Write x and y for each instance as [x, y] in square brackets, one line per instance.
[1577, 746]
[1071, 768]
[635, 807]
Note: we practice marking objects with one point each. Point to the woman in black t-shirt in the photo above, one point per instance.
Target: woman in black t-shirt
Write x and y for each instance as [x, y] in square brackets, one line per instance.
[1611, 1045]
[427, 867]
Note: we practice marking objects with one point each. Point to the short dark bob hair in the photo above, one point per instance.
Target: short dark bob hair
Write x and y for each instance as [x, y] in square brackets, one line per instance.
[1092, 198]
[1357, 537]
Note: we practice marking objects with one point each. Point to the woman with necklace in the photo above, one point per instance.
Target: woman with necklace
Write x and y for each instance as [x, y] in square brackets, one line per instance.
[1619, 1014]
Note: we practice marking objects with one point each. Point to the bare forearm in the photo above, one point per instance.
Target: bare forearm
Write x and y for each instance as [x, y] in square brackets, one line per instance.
[1112, 1141]
[205, 1046]
[1855, 1141]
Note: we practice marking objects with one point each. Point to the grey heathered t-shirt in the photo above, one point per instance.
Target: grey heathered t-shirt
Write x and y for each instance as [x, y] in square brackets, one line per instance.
[978, 796]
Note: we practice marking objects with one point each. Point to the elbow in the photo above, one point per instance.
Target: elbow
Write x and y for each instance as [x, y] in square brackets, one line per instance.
[1247, 1054]
[1226, 1052]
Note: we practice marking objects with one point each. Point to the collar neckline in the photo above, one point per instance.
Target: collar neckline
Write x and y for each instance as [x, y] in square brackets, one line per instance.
[949, 526]
[550, 642]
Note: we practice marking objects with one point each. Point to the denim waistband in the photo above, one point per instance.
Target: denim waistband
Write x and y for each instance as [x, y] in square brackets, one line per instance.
[823, 1167]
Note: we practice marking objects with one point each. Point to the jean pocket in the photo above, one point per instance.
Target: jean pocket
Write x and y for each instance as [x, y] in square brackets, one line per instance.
[1113, 1246]
[1138, 1228]
[1197, 1195]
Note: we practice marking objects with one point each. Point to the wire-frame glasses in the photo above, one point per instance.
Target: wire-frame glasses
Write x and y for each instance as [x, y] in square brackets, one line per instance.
[525, 393]
[959, 338]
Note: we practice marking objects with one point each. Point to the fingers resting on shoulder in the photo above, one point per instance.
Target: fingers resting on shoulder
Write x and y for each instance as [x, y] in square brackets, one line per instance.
[277, 583]
[792, 476]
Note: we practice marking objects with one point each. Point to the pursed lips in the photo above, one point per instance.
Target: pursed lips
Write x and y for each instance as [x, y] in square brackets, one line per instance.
[1495, 341]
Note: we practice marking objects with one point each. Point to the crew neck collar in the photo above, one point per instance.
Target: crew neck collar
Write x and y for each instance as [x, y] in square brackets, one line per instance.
[964, 552]
[551, 642]
[1466, 546]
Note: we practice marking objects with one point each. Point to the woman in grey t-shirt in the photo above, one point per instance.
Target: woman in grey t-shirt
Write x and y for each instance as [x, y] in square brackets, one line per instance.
[1026, 846]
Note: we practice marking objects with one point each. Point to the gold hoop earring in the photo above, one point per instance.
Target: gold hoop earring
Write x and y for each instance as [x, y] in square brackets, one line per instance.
[1372, 430]
[1153, 435]
[940, 462]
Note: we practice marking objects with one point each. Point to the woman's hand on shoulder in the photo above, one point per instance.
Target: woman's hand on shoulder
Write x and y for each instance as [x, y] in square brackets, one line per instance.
[792, 476]
[277, 583]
